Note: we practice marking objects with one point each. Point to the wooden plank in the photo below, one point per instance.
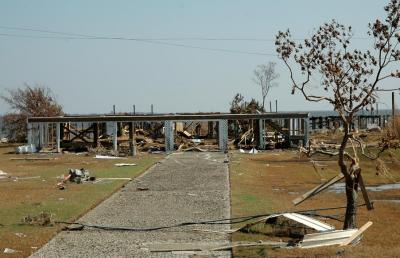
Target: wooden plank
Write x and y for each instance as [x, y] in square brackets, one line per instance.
[368, 203]
[317, 189]
[176, 247]
[357, 234]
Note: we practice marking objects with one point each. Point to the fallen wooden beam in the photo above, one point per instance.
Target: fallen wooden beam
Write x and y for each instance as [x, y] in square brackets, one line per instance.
[30, 158]
[176, 247]
[250, 244]
[316, 190]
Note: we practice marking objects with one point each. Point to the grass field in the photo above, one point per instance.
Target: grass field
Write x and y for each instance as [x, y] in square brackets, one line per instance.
[22, 197]
[268, 182]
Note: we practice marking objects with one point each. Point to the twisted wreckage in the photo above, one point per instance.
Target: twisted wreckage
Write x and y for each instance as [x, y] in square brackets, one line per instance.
[169, 132]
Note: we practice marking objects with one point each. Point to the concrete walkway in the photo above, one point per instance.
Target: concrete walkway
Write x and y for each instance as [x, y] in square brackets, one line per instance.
[184, 187]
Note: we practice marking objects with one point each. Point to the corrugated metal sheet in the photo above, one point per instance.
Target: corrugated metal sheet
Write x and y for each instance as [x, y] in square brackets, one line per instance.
[307, 221]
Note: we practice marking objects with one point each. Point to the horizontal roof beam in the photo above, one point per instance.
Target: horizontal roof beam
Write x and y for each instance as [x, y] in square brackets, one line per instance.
[167, 117]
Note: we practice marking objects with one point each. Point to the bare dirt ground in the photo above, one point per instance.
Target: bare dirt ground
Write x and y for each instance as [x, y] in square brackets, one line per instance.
[184, 187]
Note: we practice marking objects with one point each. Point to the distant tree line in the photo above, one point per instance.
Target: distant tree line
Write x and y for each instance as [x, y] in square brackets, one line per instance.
[27, 102]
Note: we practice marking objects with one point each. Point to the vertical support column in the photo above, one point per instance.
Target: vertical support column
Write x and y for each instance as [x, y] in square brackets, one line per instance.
[46, 135]
[58, 138]
[29, 133]
[169, 136]
[132, 141]
[41, 135]
[223, 134]
[306, 130]
[261, 144]
[115, 136]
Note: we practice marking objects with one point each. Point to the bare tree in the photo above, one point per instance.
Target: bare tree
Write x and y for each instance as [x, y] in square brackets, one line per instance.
[349, 80]
[264, 76]
[26, 102]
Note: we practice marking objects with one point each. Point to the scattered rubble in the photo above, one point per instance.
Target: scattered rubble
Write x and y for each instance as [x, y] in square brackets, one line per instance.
[306, 232]
[43, 219]
[20, 235]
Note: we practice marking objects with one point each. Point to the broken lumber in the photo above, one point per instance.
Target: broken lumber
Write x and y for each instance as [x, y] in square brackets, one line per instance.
[317, 189]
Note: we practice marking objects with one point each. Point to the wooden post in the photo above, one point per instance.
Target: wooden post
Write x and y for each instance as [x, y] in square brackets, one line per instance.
[276, 106]
[114, 109]
[270, 106]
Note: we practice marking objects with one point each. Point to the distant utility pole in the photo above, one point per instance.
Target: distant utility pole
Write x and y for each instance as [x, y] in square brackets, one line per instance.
[152, 109]
[114, 109]
[276, 106]
[270, 106]
[134, 110]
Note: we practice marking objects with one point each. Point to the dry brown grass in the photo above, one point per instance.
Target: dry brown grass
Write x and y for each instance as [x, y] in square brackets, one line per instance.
[268, 182]
[21, 198]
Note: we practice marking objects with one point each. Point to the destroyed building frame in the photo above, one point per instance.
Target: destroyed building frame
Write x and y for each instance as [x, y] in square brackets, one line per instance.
[44, 131]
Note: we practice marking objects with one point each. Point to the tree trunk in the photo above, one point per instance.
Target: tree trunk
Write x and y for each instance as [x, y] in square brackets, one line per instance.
[351, 182]
[263, 104]
[351, 209]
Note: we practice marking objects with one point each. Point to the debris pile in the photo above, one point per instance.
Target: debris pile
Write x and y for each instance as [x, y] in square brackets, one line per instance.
[31, 148]
[306, 232]
[76, 176]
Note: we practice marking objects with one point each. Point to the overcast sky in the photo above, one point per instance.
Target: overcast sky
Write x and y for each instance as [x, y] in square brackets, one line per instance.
[90, 75]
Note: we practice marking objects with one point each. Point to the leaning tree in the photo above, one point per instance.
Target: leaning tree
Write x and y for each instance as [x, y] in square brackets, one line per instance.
[349, 79]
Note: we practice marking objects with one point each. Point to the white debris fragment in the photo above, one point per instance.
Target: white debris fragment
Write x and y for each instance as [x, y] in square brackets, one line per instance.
[125, 164]
[107, 157]
[3, 174]
[20, 234]
[9, 251]
[253, 151]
